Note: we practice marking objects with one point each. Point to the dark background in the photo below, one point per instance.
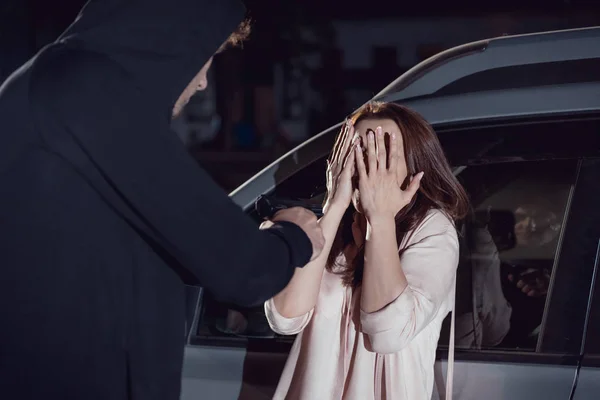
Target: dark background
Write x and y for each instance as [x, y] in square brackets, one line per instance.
[308, 63]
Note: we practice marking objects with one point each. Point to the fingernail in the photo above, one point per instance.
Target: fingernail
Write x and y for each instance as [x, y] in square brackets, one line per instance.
[371, 135]
[393, 136]
[379, 130]
[421, 174]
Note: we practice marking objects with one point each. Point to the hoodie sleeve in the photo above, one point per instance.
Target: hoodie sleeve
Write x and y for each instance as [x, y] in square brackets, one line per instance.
[94, 117]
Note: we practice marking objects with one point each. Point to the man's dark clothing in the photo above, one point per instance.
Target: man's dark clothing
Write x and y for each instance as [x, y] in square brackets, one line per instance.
[104, 216]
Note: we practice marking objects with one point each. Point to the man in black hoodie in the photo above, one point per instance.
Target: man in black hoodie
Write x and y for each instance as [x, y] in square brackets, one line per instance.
[104, 216]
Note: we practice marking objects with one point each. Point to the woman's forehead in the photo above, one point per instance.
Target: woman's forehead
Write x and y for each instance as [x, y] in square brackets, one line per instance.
[387, 125]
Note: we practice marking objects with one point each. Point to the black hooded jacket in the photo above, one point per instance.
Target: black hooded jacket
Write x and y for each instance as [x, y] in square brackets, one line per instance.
[104, 215]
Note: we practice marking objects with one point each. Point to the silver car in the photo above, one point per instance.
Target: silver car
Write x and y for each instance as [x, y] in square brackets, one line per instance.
[519, 119]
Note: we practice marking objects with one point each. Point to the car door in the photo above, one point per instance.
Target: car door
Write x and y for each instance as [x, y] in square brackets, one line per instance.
[587, 386]
[588, 383]
[530, 351]
[530, 190]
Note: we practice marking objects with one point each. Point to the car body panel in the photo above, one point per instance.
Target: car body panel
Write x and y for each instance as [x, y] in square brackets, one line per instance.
[588, 384]
[501, 381]
[212, 372]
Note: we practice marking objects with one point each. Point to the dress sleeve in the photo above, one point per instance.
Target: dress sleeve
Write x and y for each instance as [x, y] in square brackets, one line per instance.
[282, 325]
[429, 263]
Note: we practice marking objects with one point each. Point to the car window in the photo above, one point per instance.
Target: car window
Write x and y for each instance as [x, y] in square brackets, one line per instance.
[520, 179]
[509, 245]
[568, 305]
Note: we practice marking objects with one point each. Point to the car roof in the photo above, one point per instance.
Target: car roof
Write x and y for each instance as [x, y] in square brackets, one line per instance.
[449, 66]
[423, 89]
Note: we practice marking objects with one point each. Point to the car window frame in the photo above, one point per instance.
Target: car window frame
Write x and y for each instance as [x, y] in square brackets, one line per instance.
[592, 331]
[537, 356]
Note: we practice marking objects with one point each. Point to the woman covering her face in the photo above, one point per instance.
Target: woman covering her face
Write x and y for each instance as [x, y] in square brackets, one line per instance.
[368, 311]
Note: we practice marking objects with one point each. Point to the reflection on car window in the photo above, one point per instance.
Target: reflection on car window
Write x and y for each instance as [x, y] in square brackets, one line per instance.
[508, 248]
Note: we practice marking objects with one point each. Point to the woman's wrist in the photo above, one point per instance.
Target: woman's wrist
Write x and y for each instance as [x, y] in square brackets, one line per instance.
[335, 209]
[385, 223]
[380, 218]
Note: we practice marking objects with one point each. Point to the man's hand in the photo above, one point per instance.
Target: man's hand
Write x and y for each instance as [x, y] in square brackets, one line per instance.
[307, 221]
[533, 282]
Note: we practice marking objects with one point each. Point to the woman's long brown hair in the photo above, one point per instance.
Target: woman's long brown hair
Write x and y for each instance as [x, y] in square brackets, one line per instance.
[439, 188]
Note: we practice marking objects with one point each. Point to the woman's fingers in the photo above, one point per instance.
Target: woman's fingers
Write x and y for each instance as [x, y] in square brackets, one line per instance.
[380, 149]
[349, 164]
[337, 144]
[371, 152]
[346, 144]
[341, 143]
[393, 163]
[360, 162]
[414, 185]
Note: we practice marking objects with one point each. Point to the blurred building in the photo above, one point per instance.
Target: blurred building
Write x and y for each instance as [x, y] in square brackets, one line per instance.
[307, 65]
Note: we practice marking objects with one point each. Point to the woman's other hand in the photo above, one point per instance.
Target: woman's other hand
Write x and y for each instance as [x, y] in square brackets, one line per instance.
[380, 194]
[340, 168]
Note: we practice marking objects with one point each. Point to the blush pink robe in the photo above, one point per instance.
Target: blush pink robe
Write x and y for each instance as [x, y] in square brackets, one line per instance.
[343, 353]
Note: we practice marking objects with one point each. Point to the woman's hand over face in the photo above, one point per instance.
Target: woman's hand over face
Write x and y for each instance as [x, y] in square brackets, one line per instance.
[379, 187]
[340, 168]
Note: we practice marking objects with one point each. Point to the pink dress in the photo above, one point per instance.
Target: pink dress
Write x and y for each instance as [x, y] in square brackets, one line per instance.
[343, 353]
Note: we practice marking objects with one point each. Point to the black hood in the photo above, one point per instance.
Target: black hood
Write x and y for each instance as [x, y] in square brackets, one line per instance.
[161, 44]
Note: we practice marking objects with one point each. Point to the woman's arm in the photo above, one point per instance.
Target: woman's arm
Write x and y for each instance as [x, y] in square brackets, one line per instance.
[416, 292]
[300, 295]
[383, 278]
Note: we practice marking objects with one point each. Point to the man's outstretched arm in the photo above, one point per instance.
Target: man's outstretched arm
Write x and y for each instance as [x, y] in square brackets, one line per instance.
[88, 111]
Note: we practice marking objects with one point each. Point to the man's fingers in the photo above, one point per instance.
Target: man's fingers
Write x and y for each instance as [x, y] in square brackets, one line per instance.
[318, 242]
[520, 284]
[266, 224]
[307, 221]
[380, 149]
